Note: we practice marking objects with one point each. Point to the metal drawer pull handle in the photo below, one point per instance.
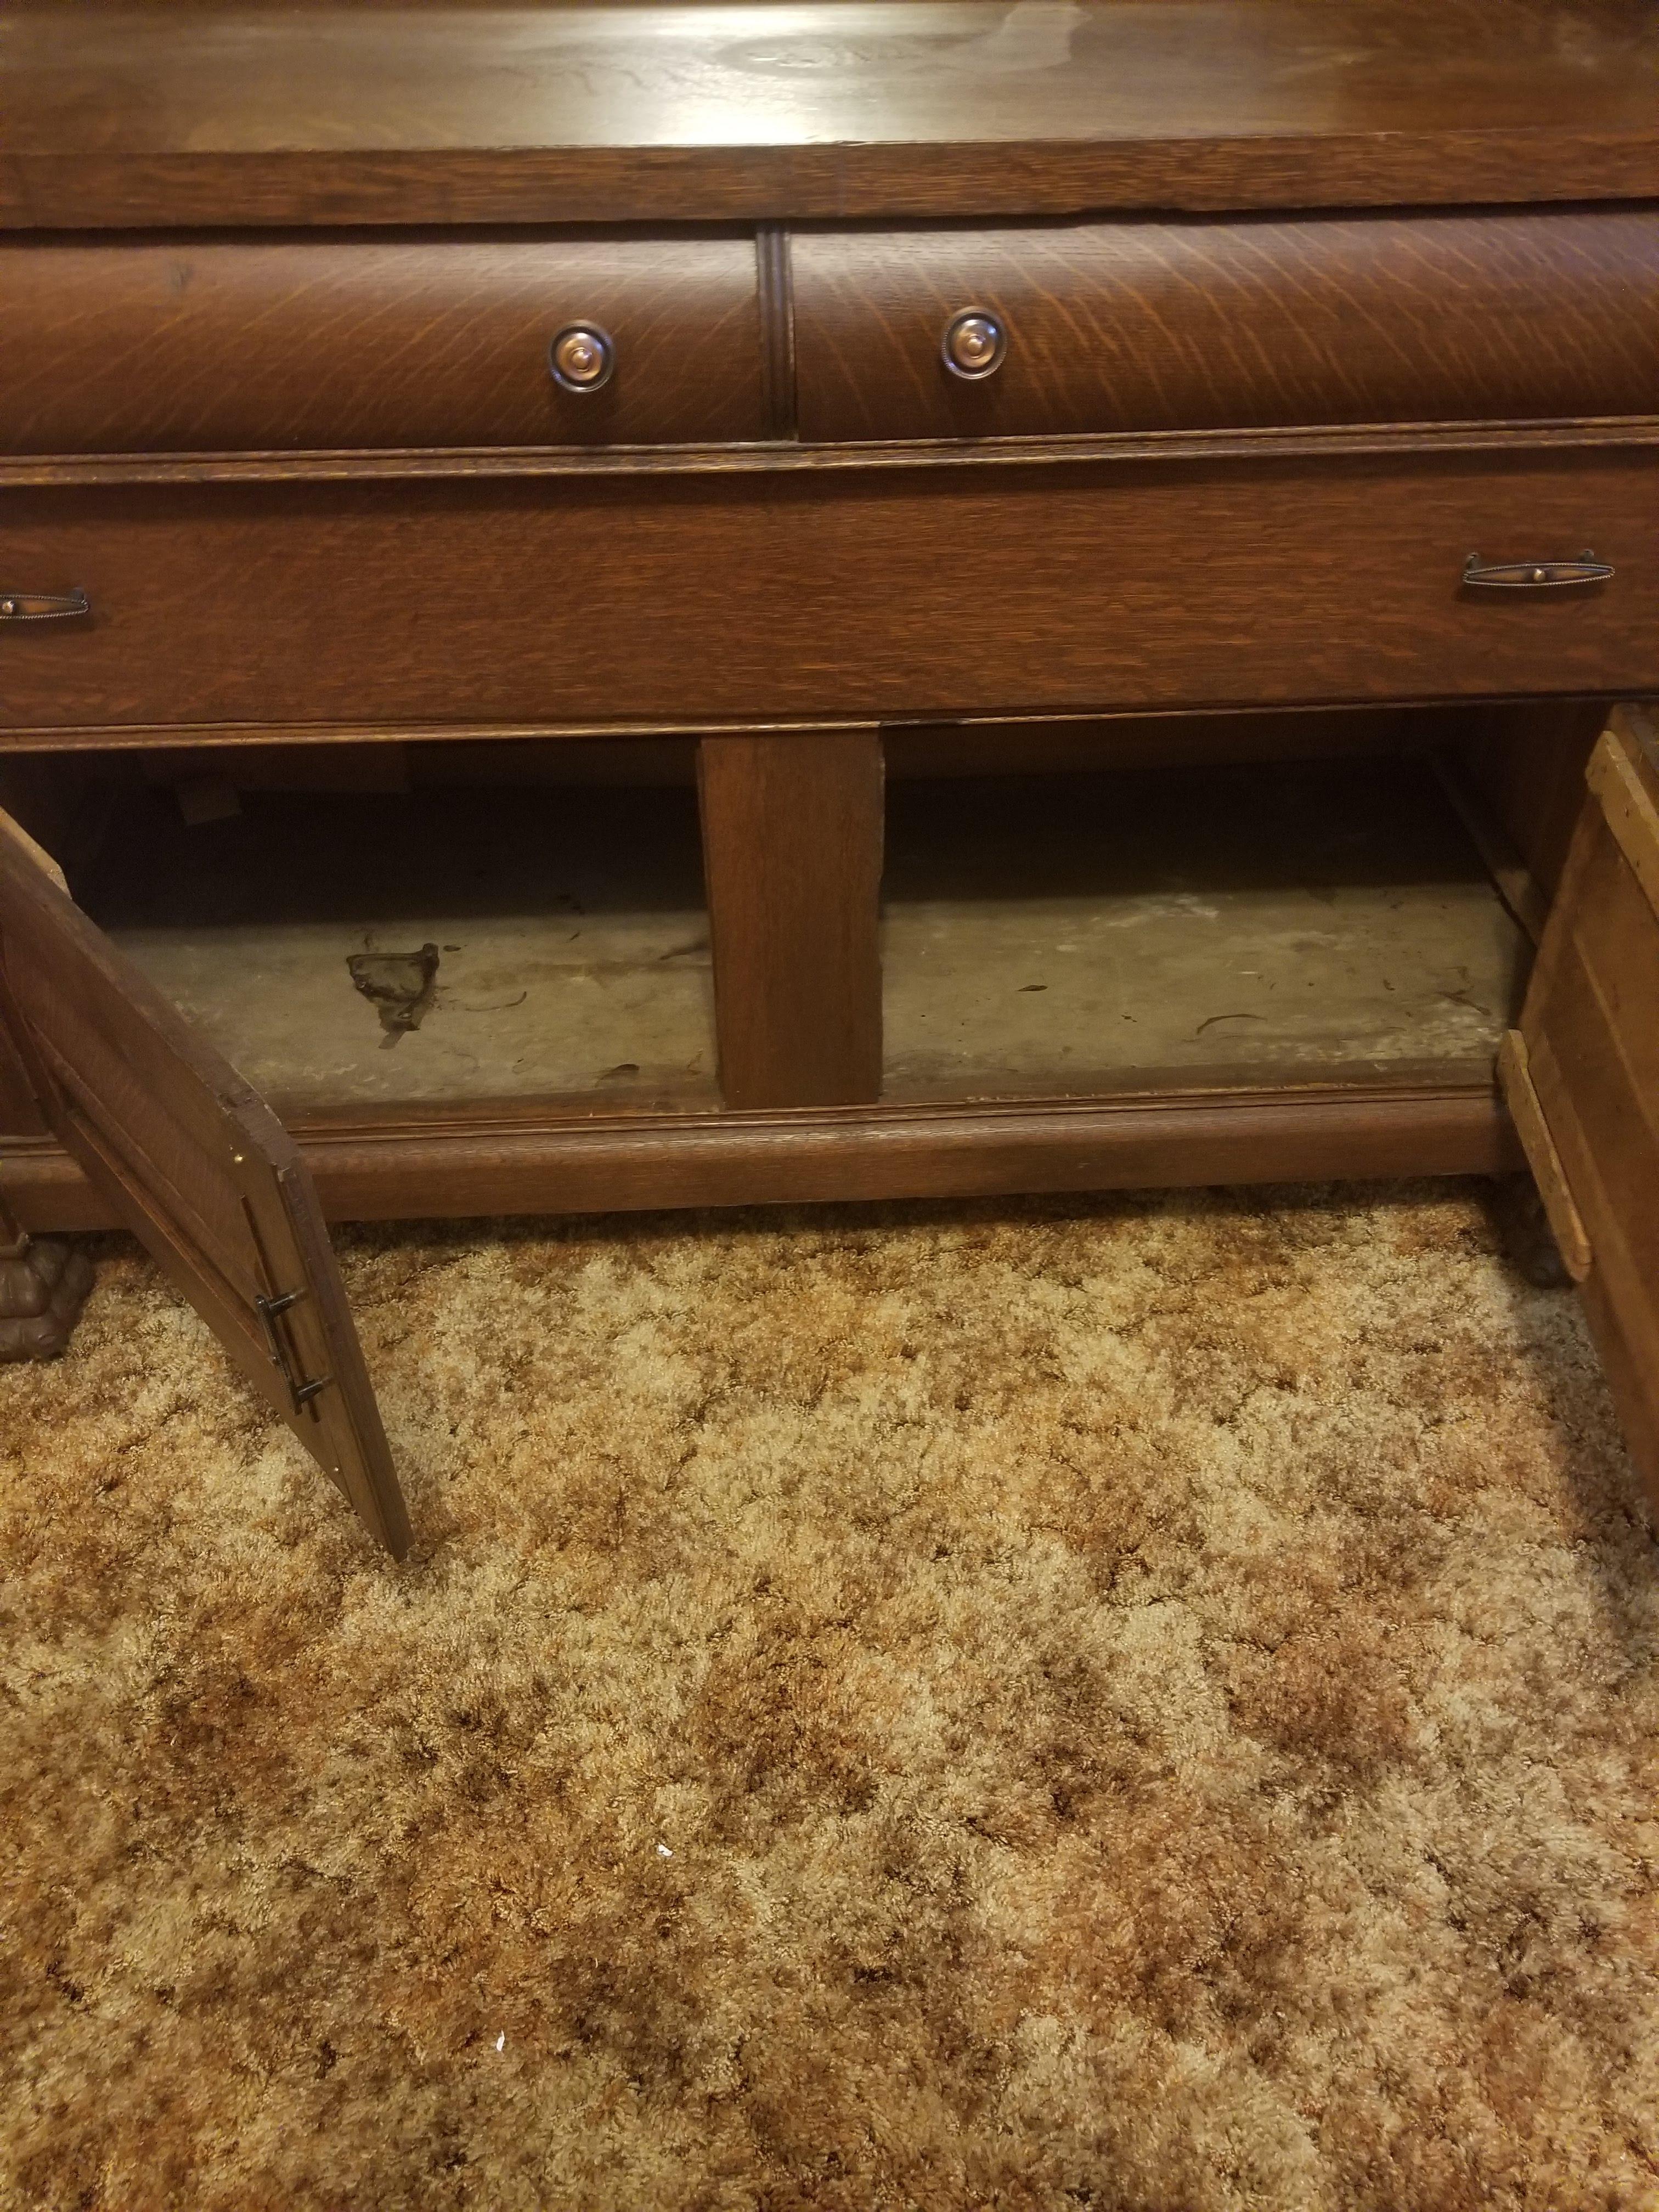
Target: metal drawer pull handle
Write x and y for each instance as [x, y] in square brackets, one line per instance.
[583, 357]
[42, 606]
[300, 1393]
[975, 345]
[1534, 575]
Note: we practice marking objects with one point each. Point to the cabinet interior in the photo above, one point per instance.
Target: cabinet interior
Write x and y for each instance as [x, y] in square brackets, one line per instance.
[369, 931]
[1303, 921]
[350, 951]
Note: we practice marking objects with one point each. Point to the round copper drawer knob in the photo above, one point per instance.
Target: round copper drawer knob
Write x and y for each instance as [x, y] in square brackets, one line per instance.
[975, 344]
[583, 357]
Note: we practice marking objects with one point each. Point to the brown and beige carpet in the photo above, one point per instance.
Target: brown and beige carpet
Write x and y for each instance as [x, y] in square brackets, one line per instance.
[1137, 1703]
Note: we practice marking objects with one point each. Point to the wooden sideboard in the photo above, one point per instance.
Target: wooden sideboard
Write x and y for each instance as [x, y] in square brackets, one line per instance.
[634, 606]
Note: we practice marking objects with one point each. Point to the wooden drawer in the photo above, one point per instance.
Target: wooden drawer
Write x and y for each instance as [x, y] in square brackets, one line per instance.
[202, 346]
[1199, 324]
[922, 592]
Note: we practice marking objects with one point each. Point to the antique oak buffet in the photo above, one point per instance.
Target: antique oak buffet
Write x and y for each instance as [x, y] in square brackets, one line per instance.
[639, 606]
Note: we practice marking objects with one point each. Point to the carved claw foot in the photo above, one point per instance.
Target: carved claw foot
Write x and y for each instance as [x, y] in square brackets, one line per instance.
[1527, 1239]
[43, 1286]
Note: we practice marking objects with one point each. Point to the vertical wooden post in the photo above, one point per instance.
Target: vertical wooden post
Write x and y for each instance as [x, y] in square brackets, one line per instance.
[792, 840]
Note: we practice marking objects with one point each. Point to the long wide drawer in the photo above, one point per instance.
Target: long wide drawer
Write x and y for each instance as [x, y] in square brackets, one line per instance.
[1197, 324]
[923, 592]
[206, 345]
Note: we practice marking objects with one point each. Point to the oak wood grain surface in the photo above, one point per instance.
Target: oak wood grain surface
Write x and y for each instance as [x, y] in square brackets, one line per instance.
[894, 595]
[792, 836]
[785, 456]
[1593, 1049]
[1527, 760]
[184, 1155]
[178, 115]
[208, 345]
[1137, 326]
[455, 1167]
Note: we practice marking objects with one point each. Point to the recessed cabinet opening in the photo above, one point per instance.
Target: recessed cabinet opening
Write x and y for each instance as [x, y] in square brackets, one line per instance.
[387, 932]
[1232, 923]
[449, 943]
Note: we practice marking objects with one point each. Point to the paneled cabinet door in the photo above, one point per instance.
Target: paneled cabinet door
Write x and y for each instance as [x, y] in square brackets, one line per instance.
[197, 1166]
[1581, 1074]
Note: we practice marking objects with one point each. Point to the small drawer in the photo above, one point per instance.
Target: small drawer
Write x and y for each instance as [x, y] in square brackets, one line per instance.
[285, 345]
[917, 593]
[1205, 325]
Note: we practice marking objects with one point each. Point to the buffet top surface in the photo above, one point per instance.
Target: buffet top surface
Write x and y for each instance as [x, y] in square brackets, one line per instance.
[845, 109]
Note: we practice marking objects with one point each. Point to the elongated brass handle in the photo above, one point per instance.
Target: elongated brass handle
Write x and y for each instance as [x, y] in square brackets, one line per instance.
[42, 606]
[300, 1393]
[1534, 575]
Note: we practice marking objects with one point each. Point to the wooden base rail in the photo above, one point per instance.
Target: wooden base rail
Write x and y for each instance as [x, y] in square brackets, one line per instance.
[458, 1169]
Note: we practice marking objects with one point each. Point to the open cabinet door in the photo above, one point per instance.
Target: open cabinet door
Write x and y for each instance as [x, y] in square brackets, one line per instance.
[197, 1166]
[1581, 1074]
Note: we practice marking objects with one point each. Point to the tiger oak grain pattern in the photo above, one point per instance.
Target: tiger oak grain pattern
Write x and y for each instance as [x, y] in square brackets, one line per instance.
[210, 344]
[1173, 326]
[843, 597]
[178, 115]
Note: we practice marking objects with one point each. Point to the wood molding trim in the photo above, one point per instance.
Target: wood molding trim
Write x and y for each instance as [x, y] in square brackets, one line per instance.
[146, 737]
[478, 1167]
[786, 456]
